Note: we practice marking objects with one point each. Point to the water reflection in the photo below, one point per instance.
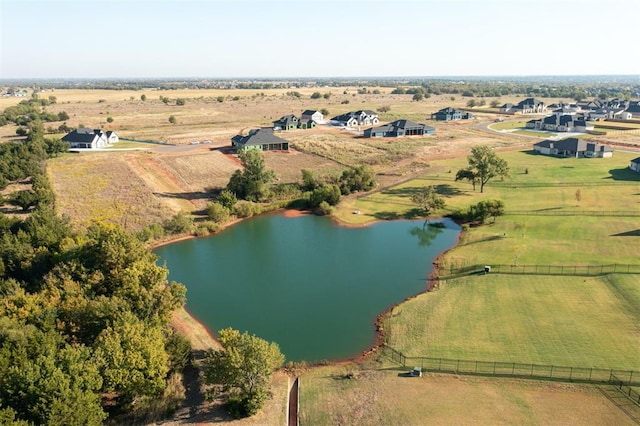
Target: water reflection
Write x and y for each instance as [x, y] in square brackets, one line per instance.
[427, 233]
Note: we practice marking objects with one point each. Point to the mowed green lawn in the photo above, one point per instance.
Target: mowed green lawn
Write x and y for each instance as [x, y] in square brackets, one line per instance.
[558, 320]
[565, 321]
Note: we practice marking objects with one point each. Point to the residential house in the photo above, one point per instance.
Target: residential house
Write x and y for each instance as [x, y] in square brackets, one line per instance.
[358, 118]
[286, 122]
[112, 137]
[561, 123]
[262, 139]
[635, 165]
[89, 138]
[633, 109]
[314, 115]
[573, 147]
[306, 123]
[399, 128]
[526, 106]
[449, 114]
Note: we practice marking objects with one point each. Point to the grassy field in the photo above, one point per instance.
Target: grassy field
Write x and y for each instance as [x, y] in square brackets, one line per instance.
[386, 397]
[570, 321]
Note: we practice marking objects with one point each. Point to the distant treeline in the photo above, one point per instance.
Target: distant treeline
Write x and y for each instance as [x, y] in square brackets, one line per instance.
[574, 87]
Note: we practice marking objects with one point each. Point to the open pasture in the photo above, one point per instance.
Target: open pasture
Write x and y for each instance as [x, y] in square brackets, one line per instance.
[329, 397]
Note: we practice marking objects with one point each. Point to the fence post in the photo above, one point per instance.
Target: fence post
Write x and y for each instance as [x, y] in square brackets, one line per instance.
[494, 367]
[571, 374]
[630, 376]
[590, 373]
[439, 364]
[458, 366]
[513, 368]
[551, 372]
[476, 370]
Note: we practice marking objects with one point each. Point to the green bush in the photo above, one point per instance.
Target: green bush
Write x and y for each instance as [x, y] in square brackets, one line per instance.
[218, 213]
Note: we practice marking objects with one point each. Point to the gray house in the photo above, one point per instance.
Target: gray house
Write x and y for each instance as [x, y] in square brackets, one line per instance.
[89, 138]
[635, 165]
[573, 147]
[262, 139]
[449, 114]
[399, 128]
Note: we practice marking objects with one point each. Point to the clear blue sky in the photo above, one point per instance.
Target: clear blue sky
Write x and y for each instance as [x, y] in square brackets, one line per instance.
[305, 38]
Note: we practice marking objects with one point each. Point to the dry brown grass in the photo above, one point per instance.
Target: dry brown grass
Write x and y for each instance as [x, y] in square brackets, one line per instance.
[103, 187]
[386, 397]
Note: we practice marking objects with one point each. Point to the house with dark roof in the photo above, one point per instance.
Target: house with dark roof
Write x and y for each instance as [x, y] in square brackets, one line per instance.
[633, 109]
[573, 147]
[635, 165]
[526, 106]
[561, 123]
[286, 122]
[89, 138]
[356, 118]
[311, 114]
[262, 139]
[450, 114]
[398, 129]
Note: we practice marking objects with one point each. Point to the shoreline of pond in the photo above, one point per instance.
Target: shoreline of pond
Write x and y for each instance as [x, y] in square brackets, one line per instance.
[185, 322]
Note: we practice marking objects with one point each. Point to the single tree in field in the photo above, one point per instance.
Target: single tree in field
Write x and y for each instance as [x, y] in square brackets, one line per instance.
[429, 199]
[486, 165]
[143, 97]
[172, 119]
[254, 182]
[467, 174]
[243, 368]
[495, 103]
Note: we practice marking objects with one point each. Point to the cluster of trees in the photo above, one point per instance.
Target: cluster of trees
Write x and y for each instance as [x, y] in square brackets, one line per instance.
[83, 314]
[254, 183]
[242, 370]
[30, 110]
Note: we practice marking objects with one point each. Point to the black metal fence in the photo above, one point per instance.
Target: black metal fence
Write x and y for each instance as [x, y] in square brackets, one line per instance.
[576, 270]
[626, 389]
[620, 378]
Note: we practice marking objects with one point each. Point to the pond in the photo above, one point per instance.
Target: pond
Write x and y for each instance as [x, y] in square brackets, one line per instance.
[306, 283]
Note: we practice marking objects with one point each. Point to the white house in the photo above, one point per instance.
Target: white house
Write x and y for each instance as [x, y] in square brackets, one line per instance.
[90, 138]
[635, 165]
[313, 115]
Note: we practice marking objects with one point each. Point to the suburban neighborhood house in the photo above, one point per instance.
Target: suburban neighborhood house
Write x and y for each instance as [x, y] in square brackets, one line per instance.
[527, 106]
[635, 165]
[90, 138]
[314, 115]
[358, 118]
[399, 128]
[291, 122]
[262, 139]
[450, 114]
[573, 147]
[561, 123]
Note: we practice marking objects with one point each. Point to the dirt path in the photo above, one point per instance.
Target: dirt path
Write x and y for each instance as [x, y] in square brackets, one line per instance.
[161, 181]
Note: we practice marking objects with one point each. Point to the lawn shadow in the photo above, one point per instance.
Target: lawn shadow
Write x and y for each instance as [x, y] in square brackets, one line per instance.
[444, 189]
[624, 174]
[635, 233]
[200, 195]
[414, 213]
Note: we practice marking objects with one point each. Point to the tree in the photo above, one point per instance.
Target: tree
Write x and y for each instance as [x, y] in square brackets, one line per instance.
[180, 101]
[24, 199]
[309, 180]
[143, 97]
[418, 97]
[243, 368]
[467, 174]
[109, 119]
[218, 213]
[485, 209]
[361, 178]
[316, 95]
[495, 103]
[428, 199]
[172, 119]
[486, 165]
[324, 111]
[384, 108]
[325, 193]
[471, 103]
[62, 116]
[227, 199]
[253, 183]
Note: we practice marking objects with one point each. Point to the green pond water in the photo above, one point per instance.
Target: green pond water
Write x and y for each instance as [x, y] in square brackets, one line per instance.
[313, 287]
